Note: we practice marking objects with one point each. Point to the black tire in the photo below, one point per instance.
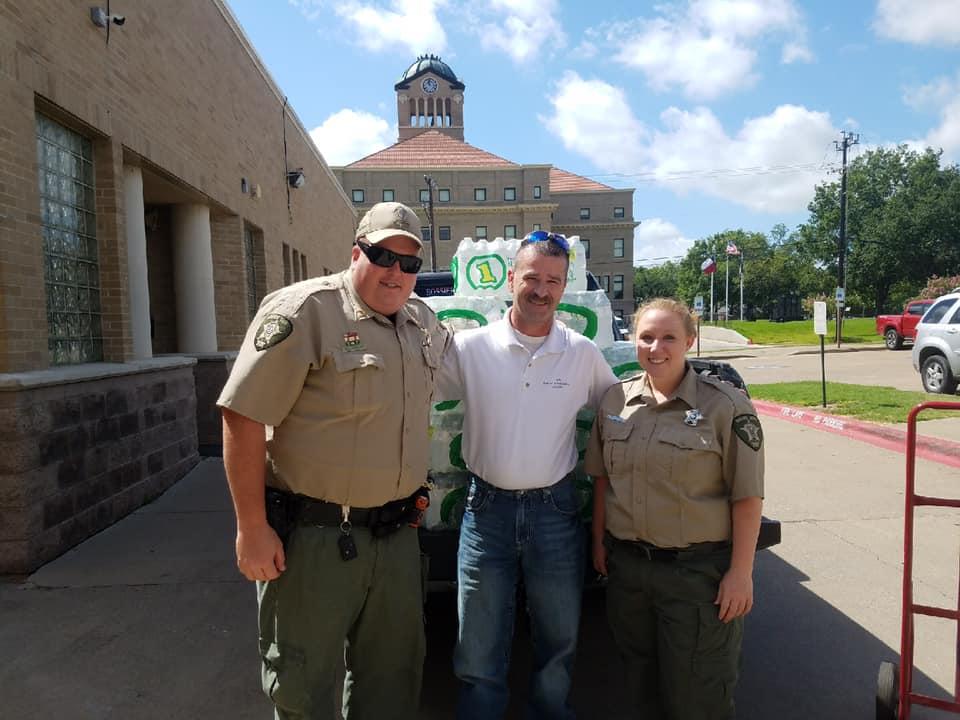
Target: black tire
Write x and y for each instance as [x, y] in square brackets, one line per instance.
[892, 339]
[936, 376]
[888, 691]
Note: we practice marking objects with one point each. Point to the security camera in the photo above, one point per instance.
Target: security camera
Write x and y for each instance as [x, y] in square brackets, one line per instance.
[101, 19]
[118, 19]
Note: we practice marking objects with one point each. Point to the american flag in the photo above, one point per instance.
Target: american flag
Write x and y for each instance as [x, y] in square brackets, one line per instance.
[732, 249]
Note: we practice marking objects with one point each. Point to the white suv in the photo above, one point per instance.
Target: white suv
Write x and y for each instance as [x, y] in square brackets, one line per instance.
[936, 350]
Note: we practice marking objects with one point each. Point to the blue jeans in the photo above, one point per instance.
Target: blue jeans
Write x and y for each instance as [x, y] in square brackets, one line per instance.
[536, 535]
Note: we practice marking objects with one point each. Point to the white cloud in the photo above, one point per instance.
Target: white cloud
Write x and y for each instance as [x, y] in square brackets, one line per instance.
[520, 28]
[656, 241]
[310, 9]
[771, 164]
[704, 46]
[349, 135]
[942, 96]
[931, 22]
[409, 24]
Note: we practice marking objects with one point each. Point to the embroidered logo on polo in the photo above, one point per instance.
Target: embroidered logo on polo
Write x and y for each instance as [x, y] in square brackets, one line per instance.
[747, 428]
[273, 330]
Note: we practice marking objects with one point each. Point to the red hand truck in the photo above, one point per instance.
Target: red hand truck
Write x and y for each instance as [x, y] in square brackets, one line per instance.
[895, 695]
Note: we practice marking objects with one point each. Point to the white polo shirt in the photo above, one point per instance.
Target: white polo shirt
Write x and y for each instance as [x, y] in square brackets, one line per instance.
[520, 409]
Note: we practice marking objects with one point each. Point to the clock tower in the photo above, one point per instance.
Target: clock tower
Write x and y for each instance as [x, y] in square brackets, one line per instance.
[429, 97]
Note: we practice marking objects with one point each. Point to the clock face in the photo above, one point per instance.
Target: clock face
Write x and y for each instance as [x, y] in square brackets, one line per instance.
[429, 85]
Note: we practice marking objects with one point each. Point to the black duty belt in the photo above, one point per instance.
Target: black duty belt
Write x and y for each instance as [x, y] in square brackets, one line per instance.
[320, 512]
[667, 555]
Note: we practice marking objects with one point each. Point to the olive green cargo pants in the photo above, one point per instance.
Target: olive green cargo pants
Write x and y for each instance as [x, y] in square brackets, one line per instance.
[322, 610]
[681, 661]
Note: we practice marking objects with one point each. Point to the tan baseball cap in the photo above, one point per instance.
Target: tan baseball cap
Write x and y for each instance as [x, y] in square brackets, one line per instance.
[389, 219]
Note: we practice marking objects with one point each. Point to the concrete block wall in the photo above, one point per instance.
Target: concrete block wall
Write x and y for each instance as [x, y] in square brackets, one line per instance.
[77, 457]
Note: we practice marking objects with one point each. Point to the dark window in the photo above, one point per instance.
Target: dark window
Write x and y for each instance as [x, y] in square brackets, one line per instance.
[584, 213]
[425, 232]
[480, 194]
[357, 196]
[388, 195]
[919, 308]
[444, 232]
[536, 192]
[936, 313]
[605, 282]
[618, 287]
[295, 260]
[618, 212]
[285, 251]
[509, 194]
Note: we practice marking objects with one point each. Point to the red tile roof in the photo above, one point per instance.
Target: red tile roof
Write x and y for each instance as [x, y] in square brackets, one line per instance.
[563, 181]
[430, 149]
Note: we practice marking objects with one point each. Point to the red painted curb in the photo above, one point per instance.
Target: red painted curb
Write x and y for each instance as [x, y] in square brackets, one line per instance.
[945, 452]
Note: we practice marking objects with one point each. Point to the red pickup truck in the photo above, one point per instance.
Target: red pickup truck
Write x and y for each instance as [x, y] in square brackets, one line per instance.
[897, 328]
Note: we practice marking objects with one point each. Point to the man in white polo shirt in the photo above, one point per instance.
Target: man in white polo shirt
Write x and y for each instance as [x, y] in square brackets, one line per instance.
[522, 379]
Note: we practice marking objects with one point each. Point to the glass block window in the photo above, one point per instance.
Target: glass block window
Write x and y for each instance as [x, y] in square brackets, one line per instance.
[68, 222]
[250, 264]
[618, 247]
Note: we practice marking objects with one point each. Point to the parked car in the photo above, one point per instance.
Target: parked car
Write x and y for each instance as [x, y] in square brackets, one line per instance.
[936, 348]
[897, 328]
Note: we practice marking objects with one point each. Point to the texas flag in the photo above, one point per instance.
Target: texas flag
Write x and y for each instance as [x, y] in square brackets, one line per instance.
[708, 266]
[732, 249]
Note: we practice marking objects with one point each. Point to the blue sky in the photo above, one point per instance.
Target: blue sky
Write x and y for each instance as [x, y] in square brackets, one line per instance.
[721, 113]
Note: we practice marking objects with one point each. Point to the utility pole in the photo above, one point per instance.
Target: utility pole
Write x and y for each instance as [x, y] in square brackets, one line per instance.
[848, 139]
[431, 186]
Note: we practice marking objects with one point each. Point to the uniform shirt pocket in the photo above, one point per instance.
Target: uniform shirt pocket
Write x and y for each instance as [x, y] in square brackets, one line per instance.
[616, 447]
[359, 381]
[694, 459]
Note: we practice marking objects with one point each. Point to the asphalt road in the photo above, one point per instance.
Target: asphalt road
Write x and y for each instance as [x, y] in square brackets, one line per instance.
[149, 619]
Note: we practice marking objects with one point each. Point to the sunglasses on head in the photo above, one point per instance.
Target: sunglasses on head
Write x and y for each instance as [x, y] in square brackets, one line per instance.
[381, 257]
[544, 236]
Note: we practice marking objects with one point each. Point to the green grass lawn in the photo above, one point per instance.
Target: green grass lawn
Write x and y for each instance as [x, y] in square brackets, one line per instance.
[877, 404]
[800, 332]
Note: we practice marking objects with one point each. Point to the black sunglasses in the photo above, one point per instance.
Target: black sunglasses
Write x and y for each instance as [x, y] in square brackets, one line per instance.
[381, 257]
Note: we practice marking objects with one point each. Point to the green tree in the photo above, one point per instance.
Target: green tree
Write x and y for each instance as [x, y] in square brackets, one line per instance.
[903, 223]
[651, 282]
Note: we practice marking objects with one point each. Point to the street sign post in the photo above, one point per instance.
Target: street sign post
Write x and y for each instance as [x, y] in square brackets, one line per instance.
[820, 328]
[698, 311]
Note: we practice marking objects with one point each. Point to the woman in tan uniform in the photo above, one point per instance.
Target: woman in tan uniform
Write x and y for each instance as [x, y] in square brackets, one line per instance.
[677, 463]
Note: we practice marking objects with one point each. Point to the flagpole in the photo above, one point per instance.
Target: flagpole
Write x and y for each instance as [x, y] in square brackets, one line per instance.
[741, 285]
[726, 291]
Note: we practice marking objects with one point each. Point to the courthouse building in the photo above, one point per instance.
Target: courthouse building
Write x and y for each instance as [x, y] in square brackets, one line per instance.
[154, 185]
[479, 195]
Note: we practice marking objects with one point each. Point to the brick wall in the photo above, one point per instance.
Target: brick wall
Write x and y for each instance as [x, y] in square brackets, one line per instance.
[178, 92]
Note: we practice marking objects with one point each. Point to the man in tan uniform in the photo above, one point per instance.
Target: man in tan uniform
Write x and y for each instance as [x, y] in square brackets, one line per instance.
[327, 409]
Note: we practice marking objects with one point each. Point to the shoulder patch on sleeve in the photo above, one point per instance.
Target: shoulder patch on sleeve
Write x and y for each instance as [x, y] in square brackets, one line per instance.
[747, 428]
[274, 329]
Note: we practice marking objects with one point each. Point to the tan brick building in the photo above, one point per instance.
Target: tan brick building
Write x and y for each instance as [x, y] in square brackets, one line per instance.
[479, 195]
[154, 185]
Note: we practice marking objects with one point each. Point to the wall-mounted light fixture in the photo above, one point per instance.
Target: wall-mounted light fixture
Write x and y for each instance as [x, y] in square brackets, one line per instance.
[296, 178]
[103, 18]
[244, 186]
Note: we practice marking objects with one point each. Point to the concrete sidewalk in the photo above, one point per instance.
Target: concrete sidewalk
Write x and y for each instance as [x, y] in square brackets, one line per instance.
[148, 619]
